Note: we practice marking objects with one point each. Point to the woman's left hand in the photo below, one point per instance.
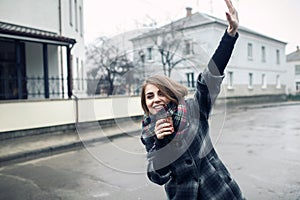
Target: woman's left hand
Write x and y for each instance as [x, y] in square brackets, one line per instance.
[232, 18]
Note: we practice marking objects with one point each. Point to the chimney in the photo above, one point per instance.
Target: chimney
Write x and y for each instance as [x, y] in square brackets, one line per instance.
[297, 48]
[188, 11]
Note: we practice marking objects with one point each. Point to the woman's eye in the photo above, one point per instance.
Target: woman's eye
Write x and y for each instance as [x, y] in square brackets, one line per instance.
[149, 96]
[161, 94]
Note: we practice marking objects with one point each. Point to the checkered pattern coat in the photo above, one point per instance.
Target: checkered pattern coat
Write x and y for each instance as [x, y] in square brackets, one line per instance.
[189, 166]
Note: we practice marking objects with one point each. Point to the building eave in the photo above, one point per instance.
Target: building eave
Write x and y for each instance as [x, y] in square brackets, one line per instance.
[13, 31]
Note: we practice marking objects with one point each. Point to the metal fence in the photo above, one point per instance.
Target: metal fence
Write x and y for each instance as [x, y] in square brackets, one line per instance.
[33, 87]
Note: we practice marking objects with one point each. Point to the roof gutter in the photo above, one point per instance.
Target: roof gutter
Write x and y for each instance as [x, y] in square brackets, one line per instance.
[37, 40]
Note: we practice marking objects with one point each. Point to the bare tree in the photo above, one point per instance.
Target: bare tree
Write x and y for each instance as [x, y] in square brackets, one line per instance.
[169, 42]
[168, 47]
[110, 62]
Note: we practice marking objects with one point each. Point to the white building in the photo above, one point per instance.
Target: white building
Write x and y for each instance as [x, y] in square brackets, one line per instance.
[120, 45]
[42, 49]
[293, 62]
[257, 66]
[40, 40]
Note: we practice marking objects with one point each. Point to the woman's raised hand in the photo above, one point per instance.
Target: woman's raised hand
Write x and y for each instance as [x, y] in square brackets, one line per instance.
[232, 18]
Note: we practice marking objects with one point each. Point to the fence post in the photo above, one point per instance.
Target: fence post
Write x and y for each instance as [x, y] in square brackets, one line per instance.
[19, 70]
[46, 70]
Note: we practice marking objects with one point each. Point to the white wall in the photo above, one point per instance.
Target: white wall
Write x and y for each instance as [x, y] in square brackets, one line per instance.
[292, 78]
[37, 114]
[44, 15]
[205, 41]
[36, 14]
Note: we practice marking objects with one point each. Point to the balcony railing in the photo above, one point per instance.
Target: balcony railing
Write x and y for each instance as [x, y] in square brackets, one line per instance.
[32, 88]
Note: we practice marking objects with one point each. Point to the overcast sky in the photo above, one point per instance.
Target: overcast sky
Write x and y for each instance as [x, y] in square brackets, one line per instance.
[278, 19]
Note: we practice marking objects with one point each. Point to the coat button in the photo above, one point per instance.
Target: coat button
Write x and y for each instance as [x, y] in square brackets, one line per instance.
[188, 161]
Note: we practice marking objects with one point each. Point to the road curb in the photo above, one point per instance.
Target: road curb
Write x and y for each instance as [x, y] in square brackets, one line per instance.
[56, 149]
[268, 105]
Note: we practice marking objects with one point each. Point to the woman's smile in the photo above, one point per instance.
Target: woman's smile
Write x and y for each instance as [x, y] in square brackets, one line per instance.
[155, 99]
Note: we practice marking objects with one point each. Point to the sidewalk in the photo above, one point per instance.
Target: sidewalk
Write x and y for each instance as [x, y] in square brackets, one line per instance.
[36, 146]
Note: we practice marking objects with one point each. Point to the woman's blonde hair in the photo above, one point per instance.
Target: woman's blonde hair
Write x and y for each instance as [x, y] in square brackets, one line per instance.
[170, 88]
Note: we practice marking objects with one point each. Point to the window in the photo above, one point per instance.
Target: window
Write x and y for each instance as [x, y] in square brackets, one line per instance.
[297, 87]
[263, 81]
[250, 85]
[297, 70]
[230, 80]
[81, 20]
[76, 16]
[263, 54]
[149, 53]
[278, 83]
[277, 56]
[71, 12]
[188, 47]
[250, 51]
[190, 79]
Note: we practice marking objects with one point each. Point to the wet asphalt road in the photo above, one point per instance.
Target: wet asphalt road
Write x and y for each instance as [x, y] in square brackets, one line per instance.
[260, 147]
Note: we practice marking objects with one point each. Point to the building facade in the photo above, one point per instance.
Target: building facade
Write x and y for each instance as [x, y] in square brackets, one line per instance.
[119, 46]
[257, 66]
[42, 49]
[293, 62]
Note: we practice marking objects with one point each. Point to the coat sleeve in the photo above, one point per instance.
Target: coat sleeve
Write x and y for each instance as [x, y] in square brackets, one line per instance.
[155, 173]
[209, 81]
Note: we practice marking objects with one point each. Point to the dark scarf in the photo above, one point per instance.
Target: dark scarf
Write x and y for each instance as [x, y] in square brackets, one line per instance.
[179, 117]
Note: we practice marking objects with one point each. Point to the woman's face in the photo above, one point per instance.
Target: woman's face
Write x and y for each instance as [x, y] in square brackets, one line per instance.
[155, 99]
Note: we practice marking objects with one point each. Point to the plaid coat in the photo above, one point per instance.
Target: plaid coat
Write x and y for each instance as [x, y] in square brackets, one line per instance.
[188, 165]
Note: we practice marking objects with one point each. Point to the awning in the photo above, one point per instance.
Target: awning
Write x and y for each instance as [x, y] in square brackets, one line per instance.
[14, 31]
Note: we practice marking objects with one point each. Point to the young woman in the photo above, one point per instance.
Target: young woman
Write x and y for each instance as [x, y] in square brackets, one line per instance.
[175, 130]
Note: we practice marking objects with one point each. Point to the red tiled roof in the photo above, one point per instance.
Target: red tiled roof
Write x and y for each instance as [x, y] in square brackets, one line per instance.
[17, 30]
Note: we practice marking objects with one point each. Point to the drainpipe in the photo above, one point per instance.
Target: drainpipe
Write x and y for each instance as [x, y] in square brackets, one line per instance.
[59, 18]
[46, 70]
[69, 66]
[76, 109]
[70, 83]
[70, 72]
[60, 49]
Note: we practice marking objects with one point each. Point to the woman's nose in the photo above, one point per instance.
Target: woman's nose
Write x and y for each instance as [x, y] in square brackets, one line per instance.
[156, 98]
